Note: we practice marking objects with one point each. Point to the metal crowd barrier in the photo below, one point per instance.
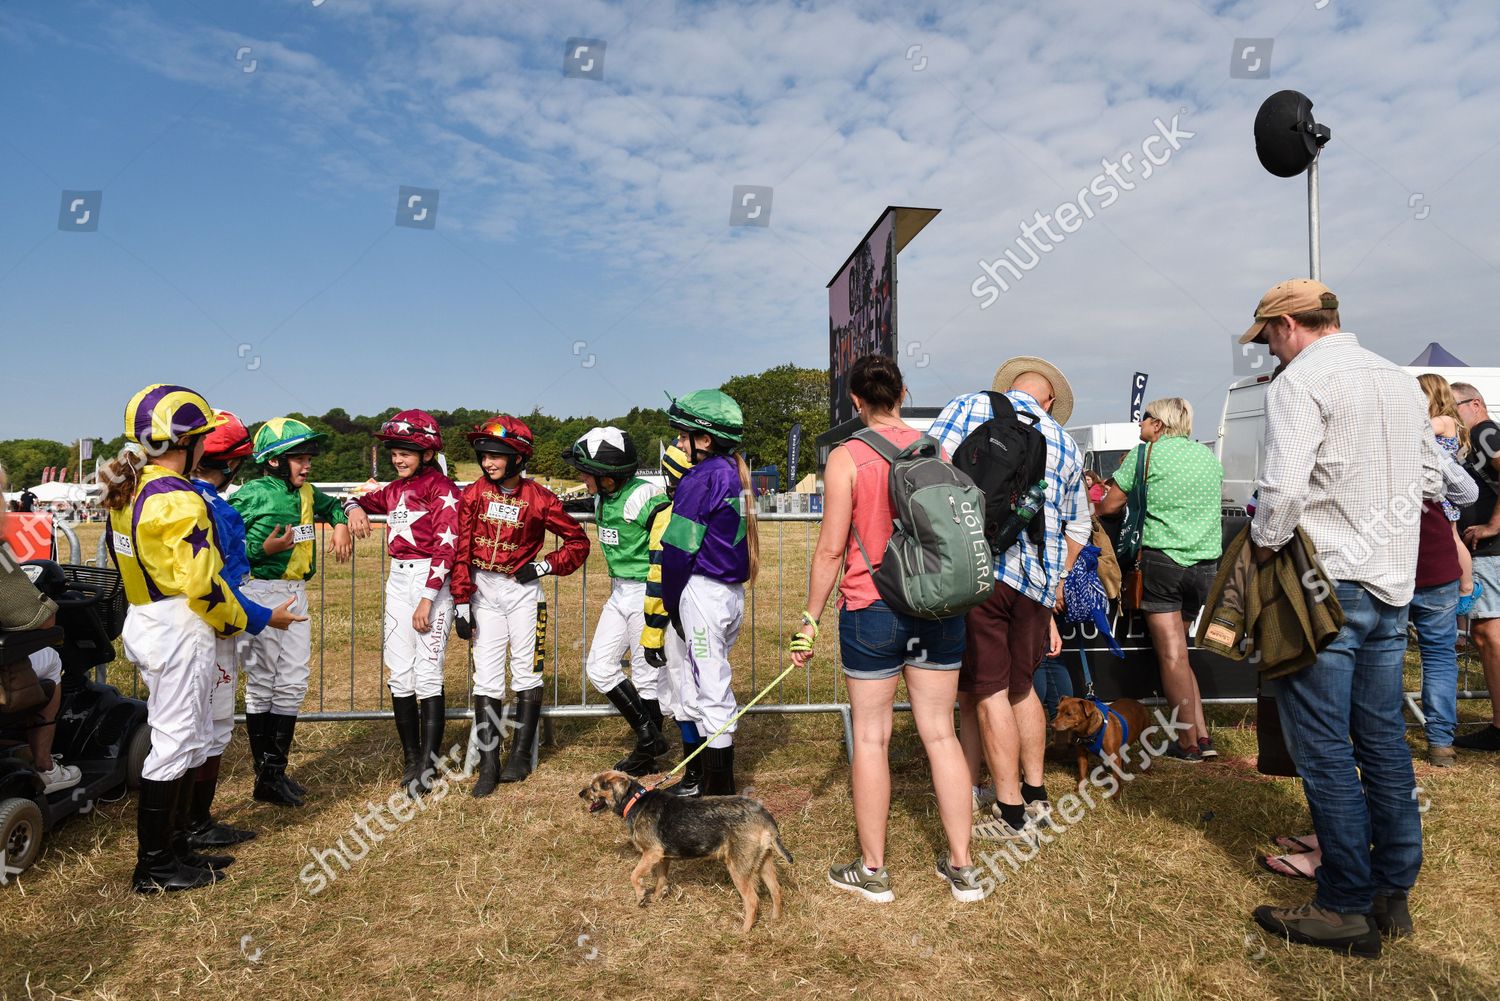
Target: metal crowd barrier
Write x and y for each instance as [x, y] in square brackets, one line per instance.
[818, 689]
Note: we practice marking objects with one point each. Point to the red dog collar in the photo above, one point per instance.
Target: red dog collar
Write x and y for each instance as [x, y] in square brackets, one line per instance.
[635, 797]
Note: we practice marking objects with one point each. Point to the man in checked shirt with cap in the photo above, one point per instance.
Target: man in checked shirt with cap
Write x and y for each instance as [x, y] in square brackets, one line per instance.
[1349, 457]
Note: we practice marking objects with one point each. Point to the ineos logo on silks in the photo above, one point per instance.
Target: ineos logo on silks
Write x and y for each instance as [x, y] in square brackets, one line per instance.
[503, 512]
[609, 537]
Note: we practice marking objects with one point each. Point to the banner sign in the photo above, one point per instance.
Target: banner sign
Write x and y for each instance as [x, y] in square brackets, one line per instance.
[1137, 396]
[793, 447]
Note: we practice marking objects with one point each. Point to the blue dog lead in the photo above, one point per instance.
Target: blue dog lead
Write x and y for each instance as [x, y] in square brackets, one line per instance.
[1096, 742]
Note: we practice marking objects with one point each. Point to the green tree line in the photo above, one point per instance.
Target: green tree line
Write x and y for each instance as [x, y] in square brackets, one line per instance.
[773, 401]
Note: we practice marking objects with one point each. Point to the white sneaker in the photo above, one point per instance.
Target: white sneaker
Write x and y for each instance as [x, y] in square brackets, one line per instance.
[963, 881]
[60, 776]
[993, 828]
[1040, 816]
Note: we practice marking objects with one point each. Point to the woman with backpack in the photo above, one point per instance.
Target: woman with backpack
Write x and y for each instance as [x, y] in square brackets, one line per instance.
[879, 645]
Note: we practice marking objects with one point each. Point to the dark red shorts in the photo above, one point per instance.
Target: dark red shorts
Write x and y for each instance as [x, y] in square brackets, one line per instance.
[1007, 636]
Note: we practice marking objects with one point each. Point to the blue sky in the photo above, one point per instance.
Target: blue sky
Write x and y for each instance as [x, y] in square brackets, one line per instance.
[582, 259]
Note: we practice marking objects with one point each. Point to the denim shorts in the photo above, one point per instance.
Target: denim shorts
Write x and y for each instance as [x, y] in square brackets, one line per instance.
[1169, 586]
[1487, 569]
[876, 642]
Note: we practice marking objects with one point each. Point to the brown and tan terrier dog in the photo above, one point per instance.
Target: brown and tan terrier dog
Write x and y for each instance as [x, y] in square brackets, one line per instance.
[735, 829]
[1085, 725]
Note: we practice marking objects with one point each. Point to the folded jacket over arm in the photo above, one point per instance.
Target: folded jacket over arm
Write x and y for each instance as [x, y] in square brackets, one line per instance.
[1286, 607]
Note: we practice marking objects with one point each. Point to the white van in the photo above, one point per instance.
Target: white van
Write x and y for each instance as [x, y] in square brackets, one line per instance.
[1104, 445]
[1241, 444]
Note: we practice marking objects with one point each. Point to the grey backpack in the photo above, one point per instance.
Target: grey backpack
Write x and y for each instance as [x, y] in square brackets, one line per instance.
[938, 563]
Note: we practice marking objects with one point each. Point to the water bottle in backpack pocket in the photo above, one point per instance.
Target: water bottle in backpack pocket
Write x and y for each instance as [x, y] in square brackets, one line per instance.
[938, 562]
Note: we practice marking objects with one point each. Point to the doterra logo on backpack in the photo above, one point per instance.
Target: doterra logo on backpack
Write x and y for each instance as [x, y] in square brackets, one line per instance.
[979, 546]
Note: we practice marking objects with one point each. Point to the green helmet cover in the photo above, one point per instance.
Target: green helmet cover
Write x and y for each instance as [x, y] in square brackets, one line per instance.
[710, 411]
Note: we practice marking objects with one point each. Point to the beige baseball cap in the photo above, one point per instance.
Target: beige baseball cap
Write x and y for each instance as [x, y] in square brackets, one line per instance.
[1295, 295]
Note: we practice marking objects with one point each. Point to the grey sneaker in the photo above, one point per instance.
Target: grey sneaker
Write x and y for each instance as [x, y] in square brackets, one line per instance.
[983, 799]
[853, 877]
[992, 827]
[962, 880]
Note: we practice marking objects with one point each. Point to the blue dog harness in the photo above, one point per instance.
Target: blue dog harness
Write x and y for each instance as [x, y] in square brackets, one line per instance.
[1096, 742]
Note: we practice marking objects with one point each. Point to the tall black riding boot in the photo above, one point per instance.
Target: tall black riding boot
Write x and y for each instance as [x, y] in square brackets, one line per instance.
[257, 728]
[487, 738]
[528, 712]
[409, 729]
[653, 710]
[203, 830]
[282, 728]
[691, 783]
[156, 867]
[649, 743]
[180, 822]
[718, 771]
[432, 711]
[270, 766]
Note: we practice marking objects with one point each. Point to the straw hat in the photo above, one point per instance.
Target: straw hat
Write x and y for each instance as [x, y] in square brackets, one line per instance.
[1062, 391]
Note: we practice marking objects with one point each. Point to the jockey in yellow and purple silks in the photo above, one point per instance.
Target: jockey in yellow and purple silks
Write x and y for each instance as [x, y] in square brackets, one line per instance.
[162, 539]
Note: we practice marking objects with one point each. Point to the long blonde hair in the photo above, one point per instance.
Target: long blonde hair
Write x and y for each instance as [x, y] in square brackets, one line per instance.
[1442, 403]
[752, 523]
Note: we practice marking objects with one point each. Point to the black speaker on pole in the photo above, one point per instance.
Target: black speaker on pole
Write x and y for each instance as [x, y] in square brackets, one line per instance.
[1288, 141]
[1286, 137]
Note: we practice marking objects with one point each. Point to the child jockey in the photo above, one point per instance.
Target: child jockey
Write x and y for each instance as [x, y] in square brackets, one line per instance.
[281, 510]
[502, 522]
[709, 551]
[664, 648]
[421, 509]
[606, 460]
[225, 449]
[162, 540]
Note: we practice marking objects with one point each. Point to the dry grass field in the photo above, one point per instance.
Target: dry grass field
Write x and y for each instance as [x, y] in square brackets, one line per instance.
[524, 895]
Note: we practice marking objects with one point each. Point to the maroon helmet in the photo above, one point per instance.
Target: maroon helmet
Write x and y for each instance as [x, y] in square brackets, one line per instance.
[413, 429]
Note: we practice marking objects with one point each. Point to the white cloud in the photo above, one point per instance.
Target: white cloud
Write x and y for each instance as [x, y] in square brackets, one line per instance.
[1011, 113]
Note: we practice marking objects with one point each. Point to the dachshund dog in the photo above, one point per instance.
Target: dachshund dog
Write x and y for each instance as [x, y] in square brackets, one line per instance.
[663, 827]
[1090, 731]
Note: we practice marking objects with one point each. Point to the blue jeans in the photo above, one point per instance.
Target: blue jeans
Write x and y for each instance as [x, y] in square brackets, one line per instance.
[1434, 613]
[1343, 723]
[1052, 682]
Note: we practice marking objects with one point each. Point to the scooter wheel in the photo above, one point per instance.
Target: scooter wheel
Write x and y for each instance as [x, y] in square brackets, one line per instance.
[135, 756]
[20, 835]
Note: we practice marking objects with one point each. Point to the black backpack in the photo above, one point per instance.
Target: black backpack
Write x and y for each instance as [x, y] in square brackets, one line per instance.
[1005, 456]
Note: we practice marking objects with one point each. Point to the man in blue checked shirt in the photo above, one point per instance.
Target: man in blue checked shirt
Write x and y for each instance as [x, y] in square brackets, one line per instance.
[1002, 717]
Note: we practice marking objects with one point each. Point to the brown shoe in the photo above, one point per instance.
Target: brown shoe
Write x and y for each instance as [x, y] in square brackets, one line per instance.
[1351, 934]
[1441, 757]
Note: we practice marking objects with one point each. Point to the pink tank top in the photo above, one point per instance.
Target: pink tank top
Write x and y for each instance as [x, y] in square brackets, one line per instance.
[871, 515]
